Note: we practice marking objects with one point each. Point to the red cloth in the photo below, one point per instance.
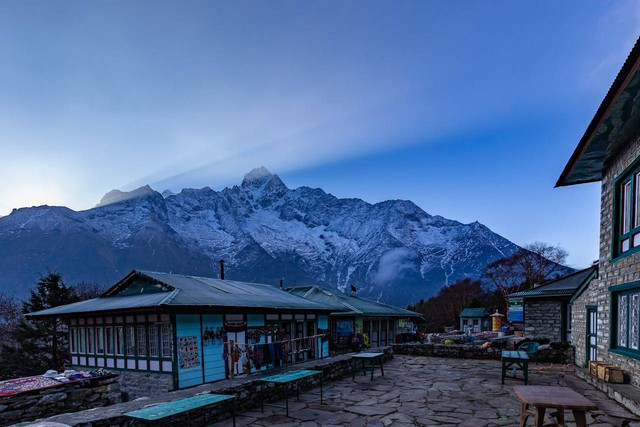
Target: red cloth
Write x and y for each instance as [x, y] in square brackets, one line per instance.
[19, 385]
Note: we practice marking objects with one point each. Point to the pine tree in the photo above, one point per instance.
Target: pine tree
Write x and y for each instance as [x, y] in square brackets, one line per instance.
[40, 344]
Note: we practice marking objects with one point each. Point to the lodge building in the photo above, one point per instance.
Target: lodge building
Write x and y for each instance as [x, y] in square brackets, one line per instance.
[163, 332]
[606, 314]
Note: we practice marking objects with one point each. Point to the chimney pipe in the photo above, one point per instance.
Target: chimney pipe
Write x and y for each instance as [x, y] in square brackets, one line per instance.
[221, 269]
[281, 281]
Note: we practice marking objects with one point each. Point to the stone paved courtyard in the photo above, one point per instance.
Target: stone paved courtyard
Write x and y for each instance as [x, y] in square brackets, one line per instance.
[431, 391]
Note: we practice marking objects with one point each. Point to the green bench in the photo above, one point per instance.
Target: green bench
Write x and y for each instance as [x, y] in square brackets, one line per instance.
[516, 360]
[162, 411]
[287, 378]
[363, 358]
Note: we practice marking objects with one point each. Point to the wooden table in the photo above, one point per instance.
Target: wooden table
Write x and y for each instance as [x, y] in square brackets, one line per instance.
[559, 398]
[516, 360]
[157, 413]
[373, 358]
[286, 378]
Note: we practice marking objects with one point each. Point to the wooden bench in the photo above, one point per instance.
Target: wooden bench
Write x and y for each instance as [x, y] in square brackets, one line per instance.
[163, 411]
[287, 378]
[372, 358]
[559, 398]
[516, 360]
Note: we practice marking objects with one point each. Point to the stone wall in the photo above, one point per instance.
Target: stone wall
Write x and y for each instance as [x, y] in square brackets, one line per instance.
[249, 392]
[562, 354]
[68, 397]
[610, 273]
[135, 384]
[543, 318]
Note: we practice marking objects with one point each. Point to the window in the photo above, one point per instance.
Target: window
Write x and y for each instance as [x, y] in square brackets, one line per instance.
[142, 340]
[73, 340]
[625, 305]
[153, 341]
[627, 213]
[465, 322]
[119, 340]
[90, 338]
[131, 341]
[99, 340]
[476, 322]
[166, 341]
[108, 332]
[81, 346]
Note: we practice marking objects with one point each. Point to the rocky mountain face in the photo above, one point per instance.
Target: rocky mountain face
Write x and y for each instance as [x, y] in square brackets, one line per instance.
[391, 251]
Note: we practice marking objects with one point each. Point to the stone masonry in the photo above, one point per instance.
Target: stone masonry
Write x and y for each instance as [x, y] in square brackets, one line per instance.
[610, 273]
[67, 397]
[543, 318]
[134, 384]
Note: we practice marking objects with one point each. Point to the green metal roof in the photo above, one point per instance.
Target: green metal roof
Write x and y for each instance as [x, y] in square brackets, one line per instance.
[614, 125]
[349, 305]
[163, 290]
[563, 286]
[474, 312]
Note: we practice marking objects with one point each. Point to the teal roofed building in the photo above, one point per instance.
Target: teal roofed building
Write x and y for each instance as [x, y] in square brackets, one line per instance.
[352, 314]
[474, 319]
[545, 310]
[167, 331]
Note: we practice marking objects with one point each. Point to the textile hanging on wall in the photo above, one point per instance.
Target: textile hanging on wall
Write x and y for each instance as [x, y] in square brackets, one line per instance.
[189, 353]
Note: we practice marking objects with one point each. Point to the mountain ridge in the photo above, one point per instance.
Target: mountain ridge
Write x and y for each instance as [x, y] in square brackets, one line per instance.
[392, 251]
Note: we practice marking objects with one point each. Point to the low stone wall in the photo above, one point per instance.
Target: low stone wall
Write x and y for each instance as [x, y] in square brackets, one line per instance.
[457, 351]
[249, 392]
[67, 397]
[134, 384]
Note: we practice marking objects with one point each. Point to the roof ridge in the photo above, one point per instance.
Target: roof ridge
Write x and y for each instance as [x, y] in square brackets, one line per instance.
[562, 277]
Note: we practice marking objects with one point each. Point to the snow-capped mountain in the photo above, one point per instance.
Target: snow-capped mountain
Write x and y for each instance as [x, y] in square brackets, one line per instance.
[391, 251]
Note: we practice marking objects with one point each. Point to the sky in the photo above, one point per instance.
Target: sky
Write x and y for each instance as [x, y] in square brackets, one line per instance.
[469, 109]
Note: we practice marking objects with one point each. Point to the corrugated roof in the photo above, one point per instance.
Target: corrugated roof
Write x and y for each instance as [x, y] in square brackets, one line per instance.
[613, 125]
[348, 305]
[474, 312]
[188, 291]
[565, 285]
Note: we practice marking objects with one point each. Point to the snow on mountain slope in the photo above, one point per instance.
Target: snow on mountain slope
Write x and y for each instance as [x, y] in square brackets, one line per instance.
[392, 251]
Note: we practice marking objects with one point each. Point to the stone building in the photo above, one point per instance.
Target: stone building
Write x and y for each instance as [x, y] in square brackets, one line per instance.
[546, 309]
[352, 314]
[166, 331]
[606, 314]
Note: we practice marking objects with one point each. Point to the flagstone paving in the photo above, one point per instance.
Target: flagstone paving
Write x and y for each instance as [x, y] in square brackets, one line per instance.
[426, 391]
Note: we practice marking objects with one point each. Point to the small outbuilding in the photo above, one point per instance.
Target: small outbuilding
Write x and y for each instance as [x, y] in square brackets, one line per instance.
[474, 320]
[545, 310]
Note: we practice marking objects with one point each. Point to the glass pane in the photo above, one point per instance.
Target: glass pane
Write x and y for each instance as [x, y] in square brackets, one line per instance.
[166, 341]
[142, 341]
[636, 203]
[622, 320]
[90, 337]
[83, 337]
[109, 339]
[153, 341]
[592, 340]
[636, 240]
[626, 189]
[119, 340]
[99, 340]
[74, 345]
[131, 341]
[633, 322]
[625, 245]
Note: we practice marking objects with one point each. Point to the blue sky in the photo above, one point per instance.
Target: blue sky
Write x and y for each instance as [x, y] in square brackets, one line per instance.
[470, 109]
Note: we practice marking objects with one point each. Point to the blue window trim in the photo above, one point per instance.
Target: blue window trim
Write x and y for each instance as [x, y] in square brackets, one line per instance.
[616, 238]
[614, 292]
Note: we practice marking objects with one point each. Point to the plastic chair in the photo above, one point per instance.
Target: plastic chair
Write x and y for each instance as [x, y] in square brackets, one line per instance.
[531, 348]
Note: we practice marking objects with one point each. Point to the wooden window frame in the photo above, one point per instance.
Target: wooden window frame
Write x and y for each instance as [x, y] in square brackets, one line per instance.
[627, 289]
[629, 215]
